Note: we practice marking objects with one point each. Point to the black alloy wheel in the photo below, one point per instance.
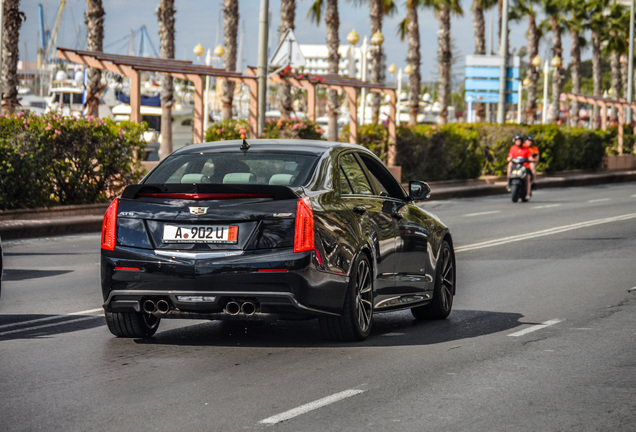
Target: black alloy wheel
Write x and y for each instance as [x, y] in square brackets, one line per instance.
[132, 324]
[354, 324]
[440, 307]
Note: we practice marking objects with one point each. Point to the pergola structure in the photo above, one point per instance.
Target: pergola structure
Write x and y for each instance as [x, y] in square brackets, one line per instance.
[604, 104]
[349, 86]
[131, 67]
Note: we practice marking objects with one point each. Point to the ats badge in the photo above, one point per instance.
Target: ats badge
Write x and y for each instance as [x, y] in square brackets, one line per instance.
[198, 211]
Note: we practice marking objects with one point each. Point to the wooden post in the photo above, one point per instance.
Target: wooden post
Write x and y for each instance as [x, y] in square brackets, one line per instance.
[391, 151]
[198, 108]
[353, 114]
[135, 95]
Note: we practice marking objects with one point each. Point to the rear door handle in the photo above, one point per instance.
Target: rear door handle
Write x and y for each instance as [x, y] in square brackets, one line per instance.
[360, 209]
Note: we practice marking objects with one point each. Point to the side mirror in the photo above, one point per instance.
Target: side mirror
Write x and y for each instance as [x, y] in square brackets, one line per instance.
[419, 190]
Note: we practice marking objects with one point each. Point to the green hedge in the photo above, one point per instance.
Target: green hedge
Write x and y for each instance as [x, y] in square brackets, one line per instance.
[284, 128]
[53, 160]
[464, 151]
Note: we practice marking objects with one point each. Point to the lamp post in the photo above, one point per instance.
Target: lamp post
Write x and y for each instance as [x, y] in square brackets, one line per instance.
[353, 38]
[525, 83]
[393, 69]
[503, 52]
[377, 39]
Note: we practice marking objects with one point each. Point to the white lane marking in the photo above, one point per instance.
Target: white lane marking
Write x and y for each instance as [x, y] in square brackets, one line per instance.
[598, 200]
[482, 213]
[51, 318]
[303, 409]
[546, 206]
[28, 329]
[535, 328]
[633, 196]
[543, 233]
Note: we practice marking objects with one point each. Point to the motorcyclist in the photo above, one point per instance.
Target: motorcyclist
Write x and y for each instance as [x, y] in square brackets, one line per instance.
[534, 156]
[518, 150]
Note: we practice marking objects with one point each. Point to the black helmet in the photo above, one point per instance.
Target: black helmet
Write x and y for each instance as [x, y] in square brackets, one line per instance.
[517, 137]
[530, 138]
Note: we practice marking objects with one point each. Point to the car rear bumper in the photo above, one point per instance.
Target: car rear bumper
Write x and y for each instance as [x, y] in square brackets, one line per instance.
[276, 283]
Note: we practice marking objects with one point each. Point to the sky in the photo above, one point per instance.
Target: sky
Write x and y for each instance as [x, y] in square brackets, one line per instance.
[198, 21]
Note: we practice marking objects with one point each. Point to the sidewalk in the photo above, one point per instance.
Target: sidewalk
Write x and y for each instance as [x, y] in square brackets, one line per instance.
[20, 224]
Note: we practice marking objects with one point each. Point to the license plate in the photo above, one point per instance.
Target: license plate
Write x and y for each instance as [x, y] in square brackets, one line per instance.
[200, 234]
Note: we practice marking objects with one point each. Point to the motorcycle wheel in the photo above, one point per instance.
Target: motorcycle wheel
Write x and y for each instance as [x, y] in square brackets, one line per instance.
[515, 192]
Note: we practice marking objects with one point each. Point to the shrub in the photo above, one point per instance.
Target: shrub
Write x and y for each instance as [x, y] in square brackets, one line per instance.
[432, 153]
[292, 129]
[48, 160]
[227, 130]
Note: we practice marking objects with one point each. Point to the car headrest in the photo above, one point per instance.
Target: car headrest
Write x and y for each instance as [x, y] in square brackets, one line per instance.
[281, 179]
[239, 178]
[194, 178]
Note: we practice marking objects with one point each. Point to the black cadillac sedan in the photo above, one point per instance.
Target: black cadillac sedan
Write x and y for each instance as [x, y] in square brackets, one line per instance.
[273, 229]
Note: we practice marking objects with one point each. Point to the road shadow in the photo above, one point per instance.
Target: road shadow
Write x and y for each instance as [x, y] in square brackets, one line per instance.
[13, 327]
[393, 329]
[15, 275]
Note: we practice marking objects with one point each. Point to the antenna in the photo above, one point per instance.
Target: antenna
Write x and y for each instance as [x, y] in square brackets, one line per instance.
[245, 146]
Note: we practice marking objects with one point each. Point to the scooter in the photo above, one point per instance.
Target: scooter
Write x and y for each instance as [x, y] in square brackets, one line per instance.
[519, 178]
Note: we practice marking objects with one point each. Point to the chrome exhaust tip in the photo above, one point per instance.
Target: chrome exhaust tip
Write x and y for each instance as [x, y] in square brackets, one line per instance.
[232, 308]
[149, 306]
[248, 308]
[163, 306]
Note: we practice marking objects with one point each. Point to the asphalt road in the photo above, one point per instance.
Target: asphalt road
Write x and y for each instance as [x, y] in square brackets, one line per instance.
[541, 338]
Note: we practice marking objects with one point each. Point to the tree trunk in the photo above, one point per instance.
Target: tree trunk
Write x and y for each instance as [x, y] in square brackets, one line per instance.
[377, 60]
[413, 59]
[557, 77]
[575, 71]
[444, 58]
[166, 18]
[596, 73]
[332, 21]
[287, 21]
[533, 73]
[230, 25]
[479, 37]
[624, 73]
[12, 21]
[94, 20]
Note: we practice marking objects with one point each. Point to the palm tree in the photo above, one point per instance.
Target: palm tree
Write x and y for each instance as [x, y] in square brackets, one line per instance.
[443, 10]
[410, 28]
[332, 22]
[479, 37]
[378, 9]
[617, 23]
[576, 24]
[230, 26]
[287, 21]
[94, 19]
[520, 9]
[12, 21]
[166, 18]
[555, 21]
[597, 22]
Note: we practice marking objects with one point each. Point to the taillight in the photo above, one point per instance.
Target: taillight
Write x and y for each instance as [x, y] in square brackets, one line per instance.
[304, 237]
[109, 226]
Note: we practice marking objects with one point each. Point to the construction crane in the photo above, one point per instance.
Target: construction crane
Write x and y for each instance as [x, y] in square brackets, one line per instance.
[44, 53]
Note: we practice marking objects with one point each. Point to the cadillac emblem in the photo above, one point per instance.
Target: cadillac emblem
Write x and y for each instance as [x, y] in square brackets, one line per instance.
[198, 211]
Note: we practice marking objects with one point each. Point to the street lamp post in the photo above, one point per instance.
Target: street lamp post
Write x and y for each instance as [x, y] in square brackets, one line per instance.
[263, 30]
[206, 101]
[393, 69]
[503, 52]
[376, 41]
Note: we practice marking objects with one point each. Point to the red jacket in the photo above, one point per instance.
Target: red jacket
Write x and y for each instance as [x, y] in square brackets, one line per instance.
[520, 151]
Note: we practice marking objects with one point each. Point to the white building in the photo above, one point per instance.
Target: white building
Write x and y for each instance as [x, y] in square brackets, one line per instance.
[350, 57]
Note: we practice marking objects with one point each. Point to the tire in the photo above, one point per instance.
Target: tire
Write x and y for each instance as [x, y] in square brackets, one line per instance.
[354, 324]
[132, 324]
[440, 307]
[515, 192]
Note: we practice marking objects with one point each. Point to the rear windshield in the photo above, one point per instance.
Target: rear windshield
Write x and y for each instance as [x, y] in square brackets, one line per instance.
[283, 169]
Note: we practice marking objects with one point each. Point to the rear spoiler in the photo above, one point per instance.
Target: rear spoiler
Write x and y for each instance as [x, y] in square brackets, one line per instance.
[203, 191]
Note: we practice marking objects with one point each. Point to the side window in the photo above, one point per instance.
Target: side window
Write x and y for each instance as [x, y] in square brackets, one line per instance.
[345, 186]
[382, 179]
[351, 169]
